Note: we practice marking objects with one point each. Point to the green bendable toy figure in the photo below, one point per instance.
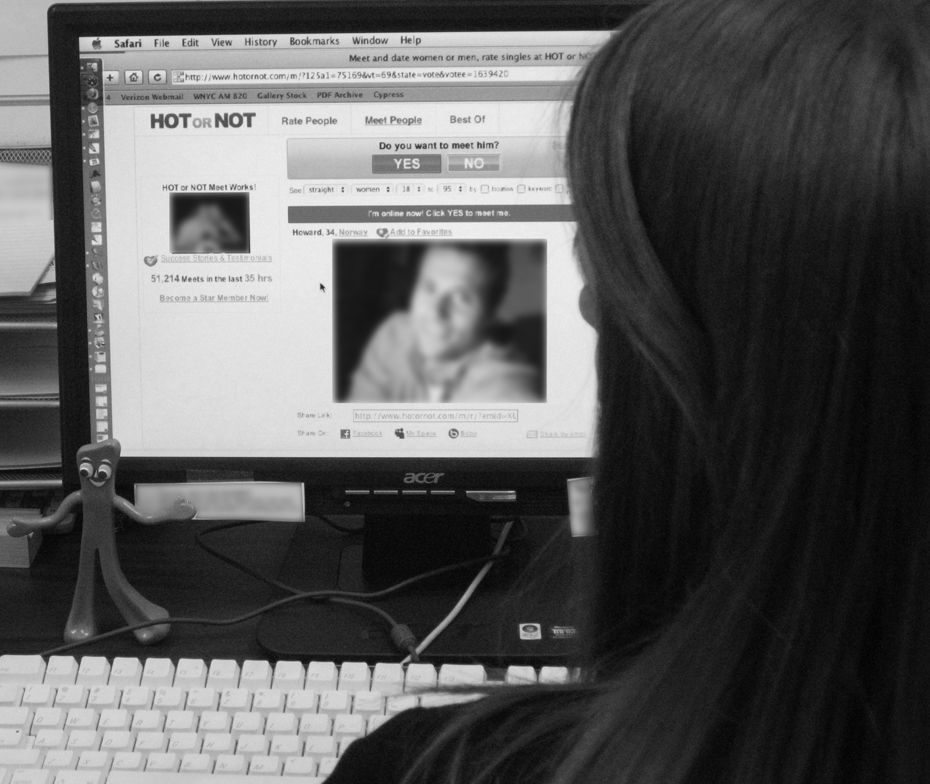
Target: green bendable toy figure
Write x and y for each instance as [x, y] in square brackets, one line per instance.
[97, 468]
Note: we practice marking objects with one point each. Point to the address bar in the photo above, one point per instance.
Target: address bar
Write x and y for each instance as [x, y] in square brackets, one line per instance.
[293, 76]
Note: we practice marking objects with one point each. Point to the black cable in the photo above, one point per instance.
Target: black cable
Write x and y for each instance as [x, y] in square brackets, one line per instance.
[198, 538]
[343, 529]
[480, 561]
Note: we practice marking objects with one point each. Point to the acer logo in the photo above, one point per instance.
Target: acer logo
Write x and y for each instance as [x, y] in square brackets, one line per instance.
[422, 478]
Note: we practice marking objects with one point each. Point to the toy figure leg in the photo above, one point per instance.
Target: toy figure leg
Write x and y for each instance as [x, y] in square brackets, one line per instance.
[133, 606]
[81, 623]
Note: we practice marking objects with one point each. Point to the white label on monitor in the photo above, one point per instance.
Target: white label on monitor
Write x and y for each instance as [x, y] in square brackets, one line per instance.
[281, 502]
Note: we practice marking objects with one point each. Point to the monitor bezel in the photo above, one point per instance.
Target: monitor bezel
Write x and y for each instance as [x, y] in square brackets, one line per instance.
[539, 482]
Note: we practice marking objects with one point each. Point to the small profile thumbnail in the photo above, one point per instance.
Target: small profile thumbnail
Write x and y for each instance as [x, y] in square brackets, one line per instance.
[209, 222]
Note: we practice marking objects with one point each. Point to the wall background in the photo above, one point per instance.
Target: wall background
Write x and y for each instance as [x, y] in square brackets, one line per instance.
[24, 73]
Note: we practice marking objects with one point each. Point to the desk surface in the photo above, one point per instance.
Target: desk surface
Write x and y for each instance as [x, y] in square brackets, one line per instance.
[166, 566]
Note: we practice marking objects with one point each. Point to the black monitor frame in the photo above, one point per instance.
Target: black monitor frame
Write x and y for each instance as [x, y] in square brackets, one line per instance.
[539, 483]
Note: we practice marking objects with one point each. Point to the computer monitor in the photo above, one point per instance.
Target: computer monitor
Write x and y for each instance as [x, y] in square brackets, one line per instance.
[325, 242]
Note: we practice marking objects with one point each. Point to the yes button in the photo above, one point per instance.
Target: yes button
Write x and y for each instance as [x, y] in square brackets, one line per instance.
[406, 164]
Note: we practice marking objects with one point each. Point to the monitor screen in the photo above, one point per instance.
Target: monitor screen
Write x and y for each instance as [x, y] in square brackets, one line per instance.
[326, 242]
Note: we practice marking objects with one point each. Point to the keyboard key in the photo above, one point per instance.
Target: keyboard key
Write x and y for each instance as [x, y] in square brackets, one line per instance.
[93, 760]
[162, 762]
[322, 676]
[25, 776]
[388, 678]
[269, 765]
[196, 763]
[229, 763]
[21, 670]
[125, 671]
[70, 697]
[300, 766]
[400, 703]
[47, 718]
[553, 675]
[150, 742]
[319, 746]
[268, 701]
[223, 674]
[11, 695]
[517, 675]
[461, 674]
[100, 697]
[301, 701]
[83, 740]
[157, 673]
[354, 676]
[15, 717]
[184, 743]
[374, 722]
[286, 746]
[288, 675]
[190, 674]
[348, 725]
[117, 740]
[61, 671]
[148, 721]
[38, 695]
[420, 676]
[50, 739]
[127, 760]
[247, 723]
[250, 744]
[214, 721]
[441, 700]
[315, 724]
[201, 699]
[333, 703]
[93, 671]
[59, 759]
[137, 698]
[114, 719]
[81, 719]
[327, 765]
[255, 675]
[235, 700]
[21, 758]
[79, 777]
[281, 724]
[218, 743]
[368, 702]
[181, 721]
[167, 698]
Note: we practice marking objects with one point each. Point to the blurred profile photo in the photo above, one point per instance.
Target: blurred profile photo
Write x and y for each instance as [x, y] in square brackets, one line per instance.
[210, 223]
[438, 322]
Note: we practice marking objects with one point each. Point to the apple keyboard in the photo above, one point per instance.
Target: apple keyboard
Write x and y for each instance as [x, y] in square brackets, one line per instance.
[94, 720]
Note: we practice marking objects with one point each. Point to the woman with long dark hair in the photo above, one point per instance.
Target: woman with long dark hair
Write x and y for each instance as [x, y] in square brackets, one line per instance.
[752, 185]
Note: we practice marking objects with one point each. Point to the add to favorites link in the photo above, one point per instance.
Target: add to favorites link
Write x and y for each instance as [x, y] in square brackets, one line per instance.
[435, 415]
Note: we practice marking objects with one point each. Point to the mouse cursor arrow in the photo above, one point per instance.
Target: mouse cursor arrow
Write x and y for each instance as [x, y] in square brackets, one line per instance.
[322, 288]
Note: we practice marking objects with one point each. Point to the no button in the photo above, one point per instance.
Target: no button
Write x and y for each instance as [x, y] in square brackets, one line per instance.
[406, 164]
[464, 163]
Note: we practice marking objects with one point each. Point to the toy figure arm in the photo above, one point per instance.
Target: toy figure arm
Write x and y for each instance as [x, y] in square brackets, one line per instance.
[25, 527]
[179, 510]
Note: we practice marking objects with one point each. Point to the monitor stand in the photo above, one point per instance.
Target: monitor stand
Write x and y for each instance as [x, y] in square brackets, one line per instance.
[522, 612]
